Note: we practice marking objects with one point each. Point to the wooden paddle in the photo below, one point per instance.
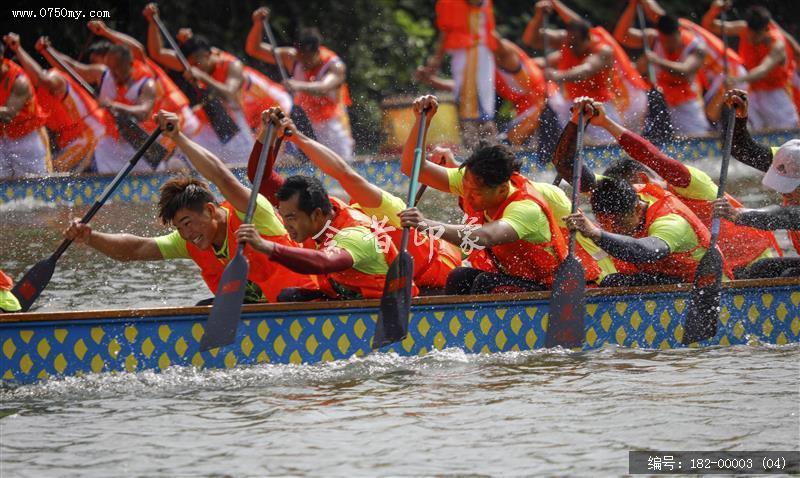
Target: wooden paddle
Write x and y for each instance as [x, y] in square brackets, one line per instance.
[128, 128]
[565, 327]
[223, 321]
[298, 114]
[395, 306]
[704, 299]
[221, 122]
[36, 279]
[658, 128]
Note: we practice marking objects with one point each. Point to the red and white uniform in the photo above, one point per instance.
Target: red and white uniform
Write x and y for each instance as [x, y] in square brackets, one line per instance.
[526, 90]
[24, 147]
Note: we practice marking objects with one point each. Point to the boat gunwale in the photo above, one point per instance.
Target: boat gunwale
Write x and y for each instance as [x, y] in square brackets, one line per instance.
[316, 307]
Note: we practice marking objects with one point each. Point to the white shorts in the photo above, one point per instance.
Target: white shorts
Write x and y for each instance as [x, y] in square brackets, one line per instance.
[689, 118]
[335, 134]
[473, 73]
[771, 109]
[26, 156]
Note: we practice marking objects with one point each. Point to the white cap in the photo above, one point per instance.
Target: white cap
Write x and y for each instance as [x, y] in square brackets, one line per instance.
[784, 173]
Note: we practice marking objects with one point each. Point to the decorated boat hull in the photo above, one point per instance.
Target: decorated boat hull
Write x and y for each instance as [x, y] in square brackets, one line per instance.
[38, 346]
[143, 188]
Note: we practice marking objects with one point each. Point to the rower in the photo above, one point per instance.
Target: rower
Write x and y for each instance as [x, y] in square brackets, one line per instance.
[204, 228]
[346, 252]
[434, 259]
[769, 61]
[74, 117]
[741, 246]
[24, 148]
[589, 63]
[678, 54]
[125, 89]
[318, 78]
[512, 237]
[8, 301]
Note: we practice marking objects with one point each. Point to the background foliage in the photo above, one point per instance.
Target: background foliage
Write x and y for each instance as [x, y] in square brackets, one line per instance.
[382, 41]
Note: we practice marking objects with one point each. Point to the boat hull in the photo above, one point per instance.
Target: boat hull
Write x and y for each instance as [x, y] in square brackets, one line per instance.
[40, 346]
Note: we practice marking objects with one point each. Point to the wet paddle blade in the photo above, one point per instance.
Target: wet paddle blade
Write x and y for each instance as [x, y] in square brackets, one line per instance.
[395, 307]
[300, 119]
[549, 134]
[567, 306]
[224, 318]
[704, 301]
[658, 127]
[34, 281]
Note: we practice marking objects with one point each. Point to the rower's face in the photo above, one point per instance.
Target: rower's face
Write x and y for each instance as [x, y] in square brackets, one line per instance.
[97, 59]
[481, 197]
[119, 68]
[309, 60]
[671, 42]
[199, 228]
[201, 59]
[757, 37]
[298, 223]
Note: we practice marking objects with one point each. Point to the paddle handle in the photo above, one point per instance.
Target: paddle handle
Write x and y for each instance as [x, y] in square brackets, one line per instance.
[172, 44]
[271, 38]
[723, 19]
[262, 164]
[71, 72]
[651, 71]
[723, 173]
[577, 164]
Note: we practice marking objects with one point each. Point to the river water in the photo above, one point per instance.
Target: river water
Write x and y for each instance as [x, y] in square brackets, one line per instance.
[524, 413]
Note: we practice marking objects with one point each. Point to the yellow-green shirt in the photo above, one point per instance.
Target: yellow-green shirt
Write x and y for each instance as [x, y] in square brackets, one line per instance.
[9, 302]
[390, 207]
[675, 231]
[363, 246]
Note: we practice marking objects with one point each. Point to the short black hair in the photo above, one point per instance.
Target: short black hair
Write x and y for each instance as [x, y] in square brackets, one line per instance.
[308, 40]
[757, 18]
[310, 192]
[100, 47]
[613, 196]
[183, 193]
[196, 43]
[667, 24]
[492, 163]
[580, 27]
[624, 168]
[122, 52]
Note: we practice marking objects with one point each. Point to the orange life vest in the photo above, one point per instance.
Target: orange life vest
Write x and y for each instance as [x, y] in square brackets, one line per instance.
[68, 114]
[596, 86]
[433, 258]
[126, 94]
[752, 56]
[168, 96]
[535, 262]
[270, 276]
[625, 78]
[321, 108]
[460, 22]
[352, 283]
[5, 282]
[678, 89]
[680, 265]
[30, 117]
[524, 88]
[740, 245]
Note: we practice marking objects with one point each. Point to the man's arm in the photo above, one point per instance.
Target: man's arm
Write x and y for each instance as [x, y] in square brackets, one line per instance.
[20, 93]
[121, 247]
[144, 106]
[430, 173]
[775, 57]
[206, 163]
[333, 79]
[712, 24]
[770, 218]
[155, 44]
[53, 82]
[685, 68]
[593, 63]
[261, 50]
[233, 83]
[624, 32]
[534, 35]
[91, 73]
[629, 249]
[99, 28]
[564, 157]
[488, 235]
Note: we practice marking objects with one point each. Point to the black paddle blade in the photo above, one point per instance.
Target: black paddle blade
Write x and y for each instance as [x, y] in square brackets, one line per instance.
[223, 321]
[34, 281]
[704, 302]
[658, 127]
[300, 119]
[395, 308]
[549, 134]
[567, 306]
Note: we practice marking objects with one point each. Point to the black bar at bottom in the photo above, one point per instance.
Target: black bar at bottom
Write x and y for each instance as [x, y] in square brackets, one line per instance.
[659, 462]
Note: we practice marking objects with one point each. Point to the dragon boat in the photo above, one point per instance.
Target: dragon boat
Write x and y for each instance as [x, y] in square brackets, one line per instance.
[39, 346]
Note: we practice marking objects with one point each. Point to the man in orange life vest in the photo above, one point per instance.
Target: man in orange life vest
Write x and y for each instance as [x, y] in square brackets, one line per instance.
[466, 28]
[74, 117]
[433, 258]
[589, 62]
[318, 78]
[678, 54]
[769, 61]
[205, 229]
[342, 248]
[782, 176]
[741, 246]
[512, 236]
[24, 148]
[124, 88]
